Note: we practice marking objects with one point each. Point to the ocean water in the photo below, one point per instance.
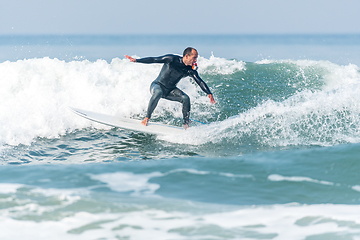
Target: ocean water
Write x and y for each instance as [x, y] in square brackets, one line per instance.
[278, 157]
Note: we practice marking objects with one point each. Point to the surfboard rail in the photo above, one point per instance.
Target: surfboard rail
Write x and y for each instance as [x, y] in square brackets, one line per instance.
[128, 123]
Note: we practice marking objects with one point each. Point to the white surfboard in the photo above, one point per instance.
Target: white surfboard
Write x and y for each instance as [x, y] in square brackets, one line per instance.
[127, 123]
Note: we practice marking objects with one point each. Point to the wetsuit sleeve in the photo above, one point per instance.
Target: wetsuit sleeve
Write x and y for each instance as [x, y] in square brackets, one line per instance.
[162, 59]
[200, 82]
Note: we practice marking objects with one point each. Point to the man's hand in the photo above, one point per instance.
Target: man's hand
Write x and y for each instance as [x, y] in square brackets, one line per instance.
[212, 101]
[130, 58]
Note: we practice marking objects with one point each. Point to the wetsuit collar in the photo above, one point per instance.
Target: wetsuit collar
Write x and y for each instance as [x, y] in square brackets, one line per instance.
[181, 60]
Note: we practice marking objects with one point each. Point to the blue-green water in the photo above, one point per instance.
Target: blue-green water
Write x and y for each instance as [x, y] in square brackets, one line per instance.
[277, 159]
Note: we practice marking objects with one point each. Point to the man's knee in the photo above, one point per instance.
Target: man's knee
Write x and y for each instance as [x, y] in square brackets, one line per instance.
[156, 93]
[185, 99]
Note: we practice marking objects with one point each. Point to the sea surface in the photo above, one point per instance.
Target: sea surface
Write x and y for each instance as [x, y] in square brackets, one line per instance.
[278, 157]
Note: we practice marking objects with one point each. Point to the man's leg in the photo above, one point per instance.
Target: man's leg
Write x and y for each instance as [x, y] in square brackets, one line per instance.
[180, 96]
[157, 93]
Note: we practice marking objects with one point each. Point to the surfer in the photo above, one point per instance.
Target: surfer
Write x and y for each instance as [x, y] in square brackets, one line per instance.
[164, 86]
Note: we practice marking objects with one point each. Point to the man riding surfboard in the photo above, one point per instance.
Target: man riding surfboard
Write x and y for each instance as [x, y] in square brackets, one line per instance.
[164, 86]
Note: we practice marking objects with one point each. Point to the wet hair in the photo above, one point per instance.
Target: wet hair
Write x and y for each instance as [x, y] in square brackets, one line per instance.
[188, 51]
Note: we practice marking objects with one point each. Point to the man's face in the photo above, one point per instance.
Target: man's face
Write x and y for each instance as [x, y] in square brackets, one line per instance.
[189, 60]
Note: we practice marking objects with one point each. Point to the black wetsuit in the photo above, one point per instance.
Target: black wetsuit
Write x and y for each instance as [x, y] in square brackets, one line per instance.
[164, 86]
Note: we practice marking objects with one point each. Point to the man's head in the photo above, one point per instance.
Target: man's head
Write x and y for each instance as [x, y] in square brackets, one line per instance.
[190, 56]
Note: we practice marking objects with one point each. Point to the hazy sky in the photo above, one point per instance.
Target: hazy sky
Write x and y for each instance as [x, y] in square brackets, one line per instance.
[179, 17]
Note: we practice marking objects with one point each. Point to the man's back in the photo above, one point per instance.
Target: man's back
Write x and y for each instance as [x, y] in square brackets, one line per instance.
[172, 71]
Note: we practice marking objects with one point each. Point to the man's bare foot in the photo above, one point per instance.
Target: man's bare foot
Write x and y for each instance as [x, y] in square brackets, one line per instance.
[145, 121]
[186, 126]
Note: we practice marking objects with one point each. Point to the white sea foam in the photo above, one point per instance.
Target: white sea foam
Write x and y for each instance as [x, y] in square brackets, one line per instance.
[280, 222]
[43, 213]
[191, 171]
[197, 172]
[138, 184]
[278, 178]
[129, 182]
[356, 188]
[218, 65]
[9, 187]
[68, 195]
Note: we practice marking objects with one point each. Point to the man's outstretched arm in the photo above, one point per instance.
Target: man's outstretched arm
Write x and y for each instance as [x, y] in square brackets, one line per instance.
[162, 59]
